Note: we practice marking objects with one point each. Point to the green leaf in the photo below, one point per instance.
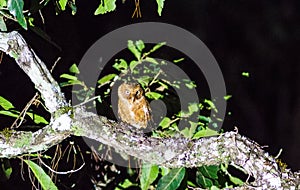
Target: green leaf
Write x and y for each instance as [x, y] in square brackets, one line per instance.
[41, 176]
[246, 74]
[9, 113]
[157, 46]
[149, 174]
[211, 105]
[190, 85]
[106, 78]
[73, 7]
[172, 180]
[205, 119]
[133, 64]
[70, 82]
[188, 132]
[160, 6]
[210, 171]
[134, 49]
[193, 107]
[227, 97]
[154, 95]
[37, 118]
[164, 170]
[3, 27]
[120, 64]
[2, 3]
[126, 184]
[62, 4]
[15, 7]
[203, 181]
[151, 60]
[6, 168]
[74, 69]
[207, 132]
[178, 60]
[140, 45]
[235, 180]
[67, 76]
[165, 122]
[105, 7]
[5, 104]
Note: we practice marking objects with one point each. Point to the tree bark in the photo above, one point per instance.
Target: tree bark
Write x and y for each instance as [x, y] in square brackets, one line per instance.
[227, 148]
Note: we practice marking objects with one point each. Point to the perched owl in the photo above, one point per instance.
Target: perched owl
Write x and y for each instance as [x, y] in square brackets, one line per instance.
[133, 108]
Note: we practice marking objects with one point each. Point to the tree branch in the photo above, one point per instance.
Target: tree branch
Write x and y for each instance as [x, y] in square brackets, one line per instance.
[228, 148]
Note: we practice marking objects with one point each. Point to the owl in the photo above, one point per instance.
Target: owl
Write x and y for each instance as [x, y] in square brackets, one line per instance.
[133, 108]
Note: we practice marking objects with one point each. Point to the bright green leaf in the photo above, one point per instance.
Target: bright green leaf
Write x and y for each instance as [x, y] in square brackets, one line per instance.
[134, 49]
[157, 46]
[74, 69]
[246, 74]
[37, 118]
[191, 85]
[148, 176]
[2, 3]
[106, 78]
[165, 122]
[70, 83]
[160, 6]
[140, 45]
[164, 170]
[67, 76]
[211, 105]
[172, 180]
[126, 184]
[235, 180]
[207, 132]
[15, 7]
[193, 107]
[41, 176]
[105, 7]
[9, 113]
[133, 64]
[227, 97]
[5, 104]
[120, 64]
[178, 60]
[154, 95]
[151, 60]
[62, 4]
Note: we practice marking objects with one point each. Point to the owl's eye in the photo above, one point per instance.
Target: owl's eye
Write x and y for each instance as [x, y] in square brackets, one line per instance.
[127, 92]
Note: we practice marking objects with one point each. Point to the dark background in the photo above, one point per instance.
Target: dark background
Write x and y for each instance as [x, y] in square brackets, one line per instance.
[260, 37]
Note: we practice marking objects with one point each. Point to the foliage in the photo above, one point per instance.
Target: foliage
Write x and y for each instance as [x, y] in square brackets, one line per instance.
[145, 69]
[41, 176]
[9, 109]
[14, 10]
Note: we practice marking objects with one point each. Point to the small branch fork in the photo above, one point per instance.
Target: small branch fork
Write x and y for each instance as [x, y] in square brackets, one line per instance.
[228, 148]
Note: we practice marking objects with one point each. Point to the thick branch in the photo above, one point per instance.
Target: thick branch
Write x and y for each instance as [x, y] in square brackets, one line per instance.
[13, 44]
[230, 148]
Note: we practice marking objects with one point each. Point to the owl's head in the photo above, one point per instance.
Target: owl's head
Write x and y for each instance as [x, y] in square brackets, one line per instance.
[130, 91]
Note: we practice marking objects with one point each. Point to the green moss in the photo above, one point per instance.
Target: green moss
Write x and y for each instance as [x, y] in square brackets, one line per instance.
[7, 133]
[63, 110]
[77, 131]
[23, 140]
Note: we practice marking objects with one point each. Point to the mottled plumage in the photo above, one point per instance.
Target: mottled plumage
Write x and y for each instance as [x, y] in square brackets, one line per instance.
[133, 108]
